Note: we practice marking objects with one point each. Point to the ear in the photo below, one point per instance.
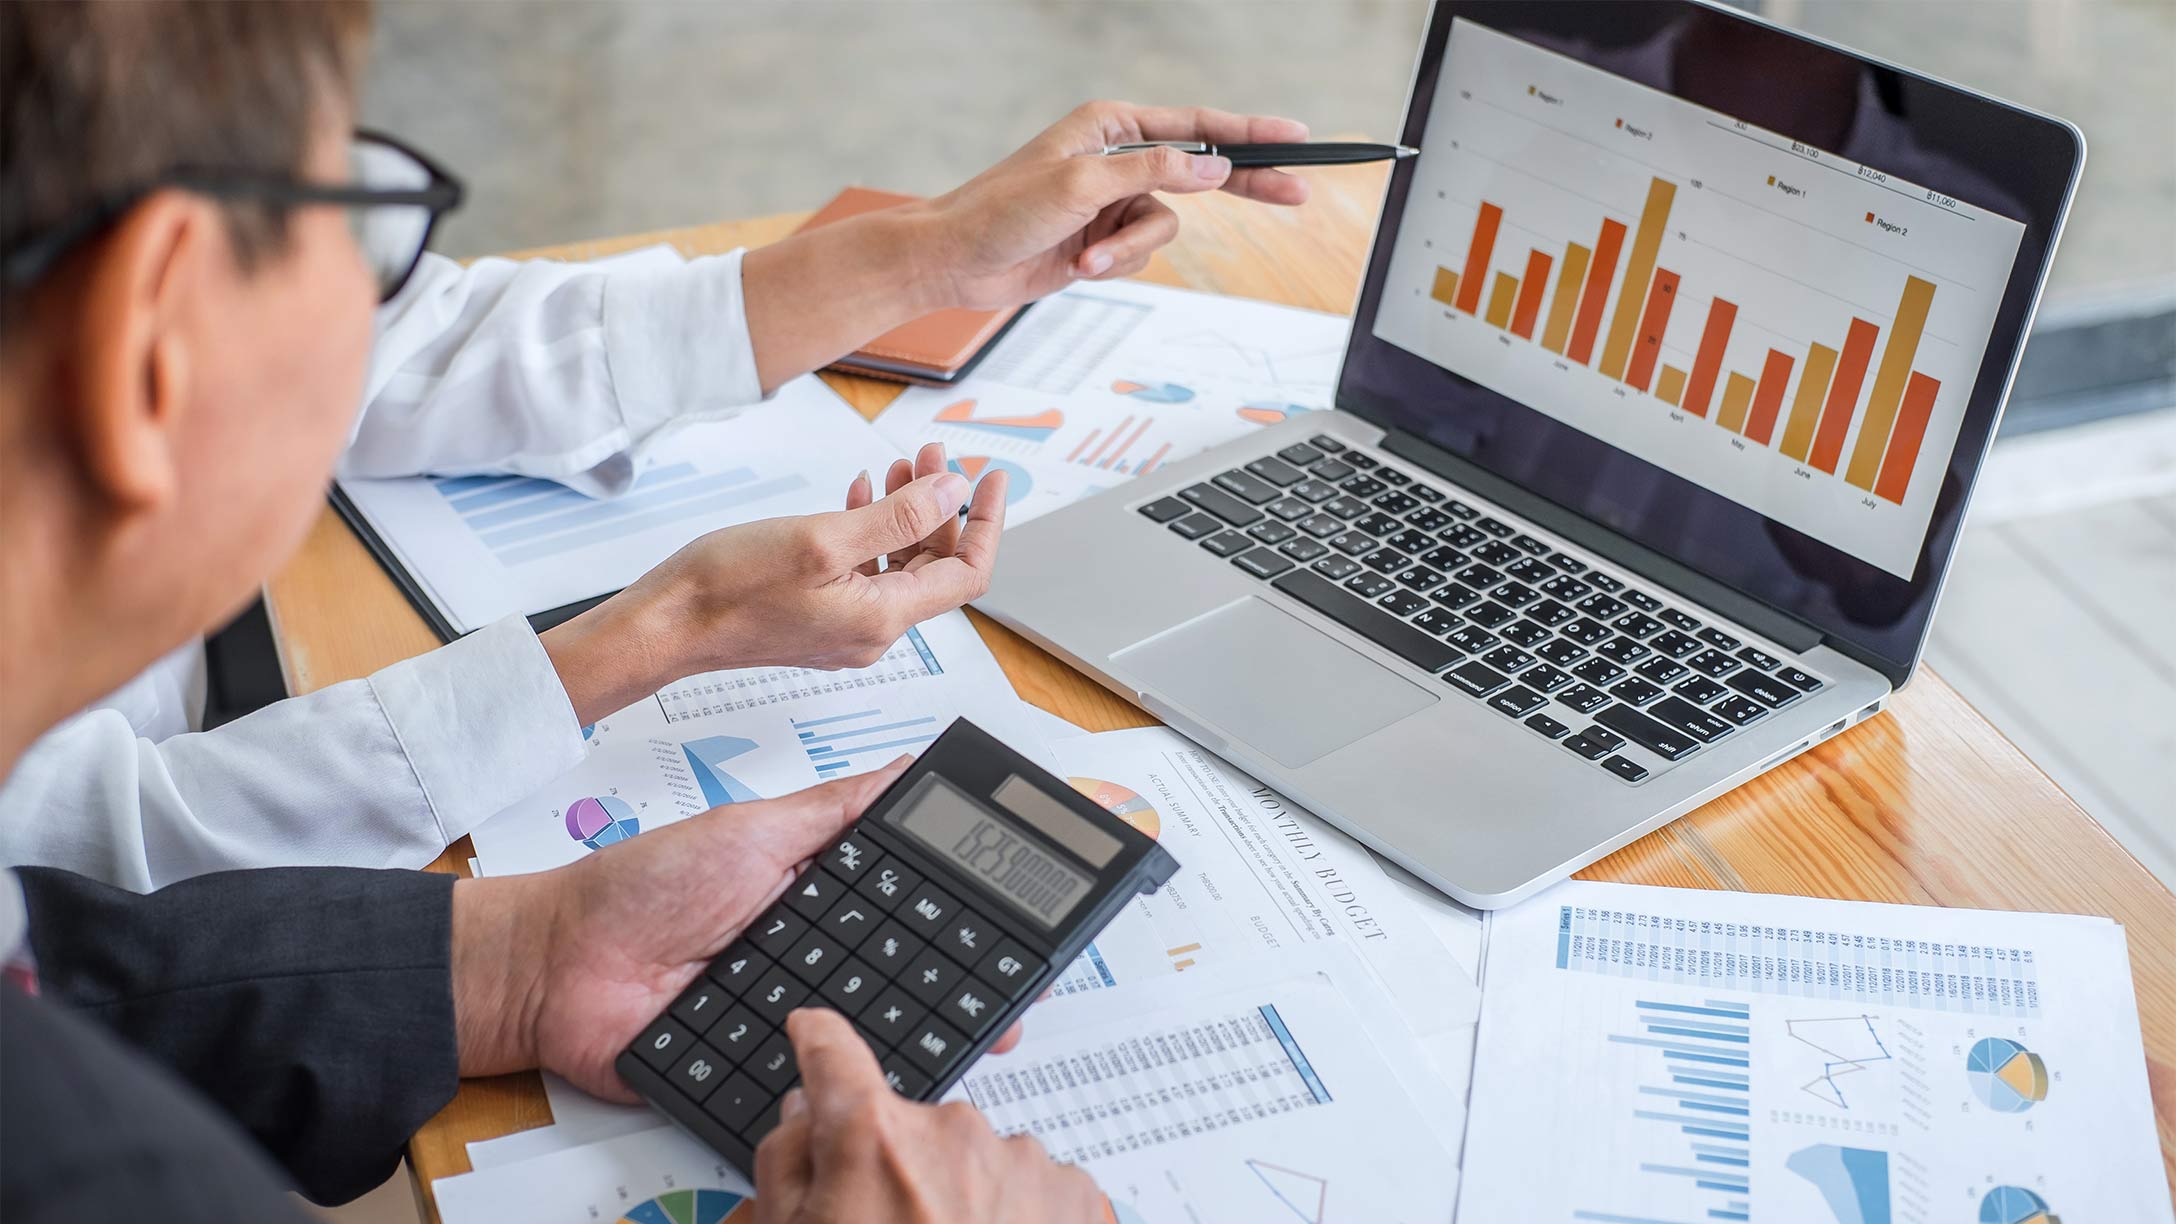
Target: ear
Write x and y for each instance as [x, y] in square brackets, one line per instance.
[131, 368]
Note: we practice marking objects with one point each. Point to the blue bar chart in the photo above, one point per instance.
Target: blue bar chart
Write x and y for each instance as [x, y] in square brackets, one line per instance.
[1696, 1067]
[521, 518]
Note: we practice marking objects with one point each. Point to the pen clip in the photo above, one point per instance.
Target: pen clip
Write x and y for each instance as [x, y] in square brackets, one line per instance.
[1183, 146]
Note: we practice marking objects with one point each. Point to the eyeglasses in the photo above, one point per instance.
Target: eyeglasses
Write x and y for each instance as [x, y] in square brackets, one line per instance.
[392, 205]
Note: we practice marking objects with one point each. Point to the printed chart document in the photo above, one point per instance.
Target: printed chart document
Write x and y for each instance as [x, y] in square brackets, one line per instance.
[728, 737]
[1660, 1055]
[1105, 382]
[653, 1177]
[1227, 1096]
[488, 546]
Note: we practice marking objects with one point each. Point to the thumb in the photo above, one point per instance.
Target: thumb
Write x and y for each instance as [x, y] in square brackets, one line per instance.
[1160, 169]
[798, 826]
[900, 519]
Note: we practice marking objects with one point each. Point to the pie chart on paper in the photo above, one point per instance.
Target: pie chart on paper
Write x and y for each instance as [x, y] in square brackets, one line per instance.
[2006, 1076]
[598, 821]
[2015, 1205]
[1121, 801]
[973, 467]
[683, 1207]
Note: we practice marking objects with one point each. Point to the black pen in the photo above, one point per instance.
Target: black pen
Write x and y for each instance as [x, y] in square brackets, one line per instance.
[1329, 153]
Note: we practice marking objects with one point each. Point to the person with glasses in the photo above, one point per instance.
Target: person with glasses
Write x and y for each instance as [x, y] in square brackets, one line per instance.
[194, 245]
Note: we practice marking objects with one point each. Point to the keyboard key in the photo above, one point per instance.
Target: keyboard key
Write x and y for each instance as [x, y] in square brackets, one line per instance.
[1600, 606]
[1719, 640]
[813, 894]
[1326, 444]
[1289, 509]
[1438, 621]
[1420, 578]
[1604, 582]
[1392, 476]
[1584, 698]
[1363, 487]
[813, 958]
[1760, 659]
[1426, 493]
[1674, 643]
[1712, 663]
[1334, 471]
[1321, 526]
[967, 937]
[1221, 504]
[1564, 586]
[1247, 487]
[1313, 492]
[1622, 650]
[1303, 549]
[1689, 718]
[1643, 601]
[1429, 519]
[1412, 541]
[1476, 678]
[1678, 620]
[1560, 652]
[1530, 544]
[1518, 701]
[1444, 557]
[1597, 671]
[1394, 502]
[1626, 768]
[1548, 726]
[1740, 711]
[1395, 636]
[887, 884]
[1472, 639]
[1586, 747]
[1337, 567]
[1263, 563]
[737, 967]
[1634, 690]
[1360, 460]
[1299, 454]
[1165, 509]
[928, 912]
[1799, 680]
[1009, 967]
[1480, 577]
[904, 1079]
[1455, 595]
[1525, 633]
[1544, 678]
[1195, 526]
[892, 1015]
[1461, 536]
[1700, 690]
[1386, 560]
[971, 1007]
[1496, 527]
[1636, 624]
[1497, 553]
[1664, 741]
[1227, 544]
[1570, 565]
[1489, 615]
[1352, 543]
[1526, 569]
[700, 1004]
[1766, 690]
[1401, 603]
[930, 977]
[1508, 659]
[1586, 631]
[775, 994]
[1379, 524]
[933, 1047]
[1660, 670]
[1275, 471]
[1369, 586]
[1608, 739]
[662, 1044]
[848, 858]
[1459, 509]
[738, 1032]
[776, 931]
[773, 1065]
[1514, 595]
[736, 1102]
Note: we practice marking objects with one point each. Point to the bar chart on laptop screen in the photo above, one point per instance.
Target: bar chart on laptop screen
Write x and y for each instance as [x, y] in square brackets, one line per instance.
[1794, 330]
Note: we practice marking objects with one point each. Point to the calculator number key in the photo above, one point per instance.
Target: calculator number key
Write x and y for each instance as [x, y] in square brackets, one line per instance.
[698, 1071]
[702, 1003]
[853, 985]
[738, 1031]
[662, 1043]
[777, 931]
[813, 959]
[776, 993]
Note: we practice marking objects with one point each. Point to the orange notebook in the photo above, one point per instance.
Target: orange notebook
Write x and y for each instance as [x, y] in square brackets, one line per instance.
[937, 349]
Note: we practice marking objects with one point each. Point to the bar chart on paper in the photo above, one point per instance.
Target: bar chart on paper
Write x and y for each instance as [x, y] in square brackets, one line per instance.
[1790, 329]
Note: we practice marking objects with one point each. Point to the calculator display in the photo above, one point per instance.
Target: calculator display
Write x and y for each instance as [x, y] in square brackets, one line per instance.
[991, 850]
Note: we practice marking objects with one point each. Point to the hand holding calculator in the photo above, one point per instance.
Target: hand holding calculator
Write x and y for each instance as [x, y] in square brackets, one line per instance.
[931, 924]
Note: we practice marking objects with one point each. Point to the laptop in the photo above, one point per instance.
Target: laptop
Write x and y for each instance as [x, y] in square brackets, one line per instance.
[1679, 348]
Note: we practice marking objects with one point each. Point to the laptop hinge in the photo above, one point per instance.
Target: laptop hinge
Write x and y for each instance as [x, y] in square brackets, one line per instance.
[1778, 627]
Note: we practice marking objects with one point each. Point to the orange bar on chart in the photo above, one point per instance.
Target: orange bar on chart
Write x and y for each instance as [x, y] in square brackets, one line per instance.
[1896, 367]
[1646, 243]
[1484, 241]
[1599, 274]
[1670, 386]
[1653, 320]
[1567, 297]
[1530, 289]
[1904, 440]
[1843, 394]
[1500, 298]
[1737, 393]
[1446, 287]
[1806, 407]
[1768, 398]
[1708, 361]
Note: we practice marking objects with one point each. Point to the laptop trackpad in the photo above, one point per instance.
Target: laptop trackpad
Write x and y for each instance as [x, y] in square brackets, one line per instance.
[1257, 674]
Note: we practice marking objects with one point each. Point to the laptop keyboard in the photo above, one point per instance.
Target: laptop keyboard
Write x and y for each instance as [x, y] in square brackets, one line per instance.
[1617, 675]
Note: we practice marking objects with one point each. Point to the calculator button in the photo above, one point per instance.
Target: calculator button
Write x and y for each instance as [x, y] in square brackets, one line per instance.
[703, 1002]
[772, 1064]
[1009, 966]
[813, 894]
[738, 967]
[893, 1015]
[661, 1044]
[775, 994]
[904, 1078]
[890, 947]
[776, 931]
[930, 977]
[849, 857]
[928, 911]
[698, 1071]
[765, 1123]
[737, 1032]
[933, 1047]
[887, 884]
[851, 986]
[972, 1006]
[736, 1102]
[967, 938]
[813, 959]
[849, 920]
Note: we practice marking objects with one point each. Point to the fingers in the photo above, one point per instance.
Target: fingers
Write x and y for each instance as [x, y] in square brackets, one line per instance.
[907, 515]
[931, 584]
[1145, 223]
[839, 1074]
[1004, 1044]
[784, 1173]
[928, 461]
[794, 827]
[858, 494]
[1210, 124]
[1268, 186]
[1108, 180]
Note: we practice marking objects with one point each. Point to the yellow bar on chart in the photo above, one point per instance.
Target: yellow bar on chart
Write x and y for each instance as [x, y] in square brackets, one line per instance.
[1446, 287]
[1670, 385]
[1500, 298]
[1737, 393]
[1806, 409]
[1889, 378]
[1567, 297]
[1646, 243]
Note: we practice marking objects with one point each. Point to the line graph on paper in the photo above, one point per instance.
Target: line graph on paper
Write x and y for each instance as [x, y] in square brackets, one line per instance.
[1847, 1046]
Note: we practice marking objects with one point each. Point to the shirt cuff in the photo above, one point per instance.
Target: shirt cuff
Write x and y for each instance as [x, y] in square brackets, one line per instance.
[676, 340]
[483, 721]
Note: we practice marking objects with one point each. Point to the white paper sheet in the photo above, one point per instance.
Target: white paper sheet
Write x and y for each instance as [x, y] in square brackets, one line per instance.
[577, 1118]
[1665, 1054]
[652, 1177]
[727, 737]
[1103, 382]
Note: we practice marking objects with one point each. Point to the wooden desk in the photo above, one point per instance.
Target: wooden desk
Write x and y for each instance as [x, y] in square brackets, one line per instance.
[1926, 804]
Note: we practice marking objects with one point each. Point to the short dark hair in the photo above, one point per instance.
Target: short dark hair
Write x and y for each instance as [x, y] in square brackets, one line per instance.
[100, 97]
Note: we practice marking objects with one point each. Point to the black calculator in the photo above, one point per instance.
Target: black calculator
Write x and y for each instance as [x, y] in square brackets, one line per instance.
[932, 924]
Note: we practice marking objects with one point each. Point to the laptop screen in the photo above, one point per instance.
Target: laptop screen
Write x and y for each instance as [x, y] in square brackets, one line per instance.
[1724, 290]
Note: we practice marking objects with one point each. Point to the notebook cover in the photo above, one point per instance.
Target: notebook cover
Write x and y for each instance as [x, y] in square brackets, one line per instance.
[935, 347]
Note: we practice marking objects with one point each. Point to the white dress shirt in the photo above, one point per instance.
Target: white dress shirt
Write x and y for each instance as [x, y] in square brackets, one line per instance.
[564, 371]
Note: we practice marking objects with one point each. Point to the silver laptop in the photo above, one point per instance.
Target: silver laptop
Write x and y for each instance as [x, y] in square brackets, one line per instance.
[1679, 348]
